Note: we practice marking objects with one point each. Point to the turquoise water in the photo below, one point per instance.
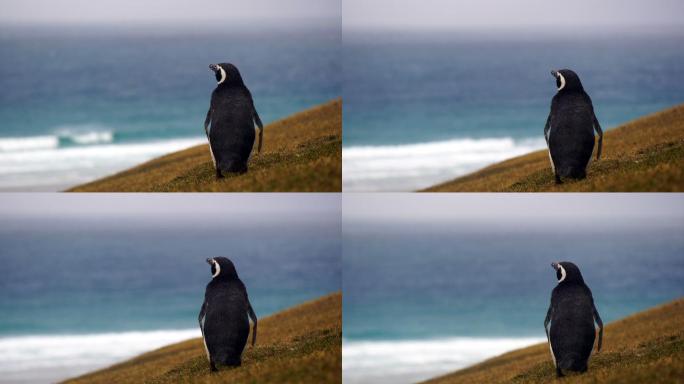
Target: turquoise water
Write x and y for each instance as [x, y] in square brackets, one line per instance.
[80, 103]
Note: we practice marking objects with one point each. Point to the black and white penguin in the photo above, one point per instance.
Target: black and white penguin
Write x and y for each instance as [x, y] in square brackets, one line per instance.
[223, 317]
[569, 129]
[230, 120]
[572, 314]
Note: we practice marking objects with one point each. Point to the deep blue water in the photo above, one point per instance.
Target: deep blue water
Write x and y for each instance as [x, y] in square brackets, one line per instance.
[67, 91]
[76, 276]
[407, 280]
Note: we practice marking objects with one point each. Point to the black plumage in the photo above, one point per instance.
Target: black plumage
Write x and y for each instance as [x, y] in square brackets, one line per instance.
[224, 315]
[569, 129]
[230, 120]
[572, 314]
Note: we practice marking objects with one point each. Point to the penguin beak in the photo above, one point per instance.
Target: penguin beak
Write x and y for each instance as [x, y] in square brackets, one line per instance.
[209, 261]
[555, 265]
[554, 73]
[215, 68]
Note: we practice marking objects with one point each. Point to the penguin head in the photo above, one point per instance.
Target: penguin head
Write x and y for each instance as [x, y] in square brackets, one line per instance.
[567, 272]
[222, 268]
[226, 74]
[567, 80]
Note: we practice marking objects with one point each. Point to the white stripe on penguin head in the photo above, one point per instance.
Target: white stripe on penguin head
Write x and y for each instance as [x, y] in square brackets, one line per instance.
[562, 273]
[217, 266]
[560, 76]
[223, 75]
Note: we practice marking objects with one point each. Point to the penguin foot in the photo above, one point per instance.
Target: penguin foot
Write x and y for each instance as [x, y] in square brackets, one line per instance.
[558, 179]
[559, 373]
[218, 174]
[212, 368]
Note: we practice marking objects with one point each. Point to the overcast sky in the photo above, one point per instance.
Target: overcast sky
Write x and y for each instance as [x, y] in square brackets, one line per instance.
[163, 11]
[519, 208]
[429, 14]
[181, 206]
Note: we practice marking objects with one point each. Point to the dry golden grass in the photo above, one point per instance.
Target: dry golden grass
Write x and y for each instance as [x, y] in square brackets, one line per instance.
[301, 153]
[647, 347]
[646, 155]
[299, 345]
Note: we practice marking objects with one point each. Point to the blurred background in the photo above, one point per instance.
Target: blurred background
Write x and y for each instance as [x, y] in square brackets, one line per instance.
[437, 89]
[435, 283]
[90, 88]
[90, 280]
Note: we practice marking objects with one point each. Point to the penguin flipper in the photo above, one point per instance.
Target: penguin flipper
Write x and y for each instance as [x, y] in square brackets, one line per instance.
[207, 121]
[252, 316]
[546, 322]
[547, 129]
[257, 120]
[599, 322]
[200, 318]
[598, 129]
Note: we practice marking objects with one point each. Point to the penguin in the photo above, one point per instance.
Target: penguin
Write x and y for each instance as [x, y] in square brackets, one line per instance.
[223, 316]
[569, 129]
[572, 314]
[230, 120]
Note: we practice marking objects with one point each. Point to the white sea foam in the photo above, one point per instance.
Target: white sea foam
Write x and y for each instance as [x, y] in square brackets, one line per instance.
[88, 138]
[409, 361]
[51, 167]
[86, 134]
[10, 144]
[50, 358]
[414, 166]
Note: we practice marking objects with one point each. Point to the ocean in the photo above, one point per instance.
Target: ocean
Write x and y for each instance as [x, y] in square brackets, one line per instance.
[424, 107]
[428, 296]
[80, 103]
[81, 291]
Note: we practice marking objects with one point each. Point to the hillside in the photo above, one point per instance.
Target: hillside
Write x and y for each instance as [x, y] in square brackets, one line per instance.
[302, 152]
[647, 347]
[302, 344]
[646, 154]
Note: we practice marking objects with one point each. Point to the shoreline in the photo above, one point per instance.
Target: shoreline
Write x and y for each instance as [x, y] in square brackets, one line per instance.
[642, 155]
[53, 169]
[313, 351]
[301, 153]
[407, 167]
[68, 355]
[641, 347]
[412, 360]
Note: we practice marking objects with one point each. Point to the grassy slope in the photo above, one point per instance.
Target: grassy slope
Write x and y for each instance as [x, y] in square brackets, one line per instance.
[646, 154]
[647, 347]
[302, 344]
[302, 152]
